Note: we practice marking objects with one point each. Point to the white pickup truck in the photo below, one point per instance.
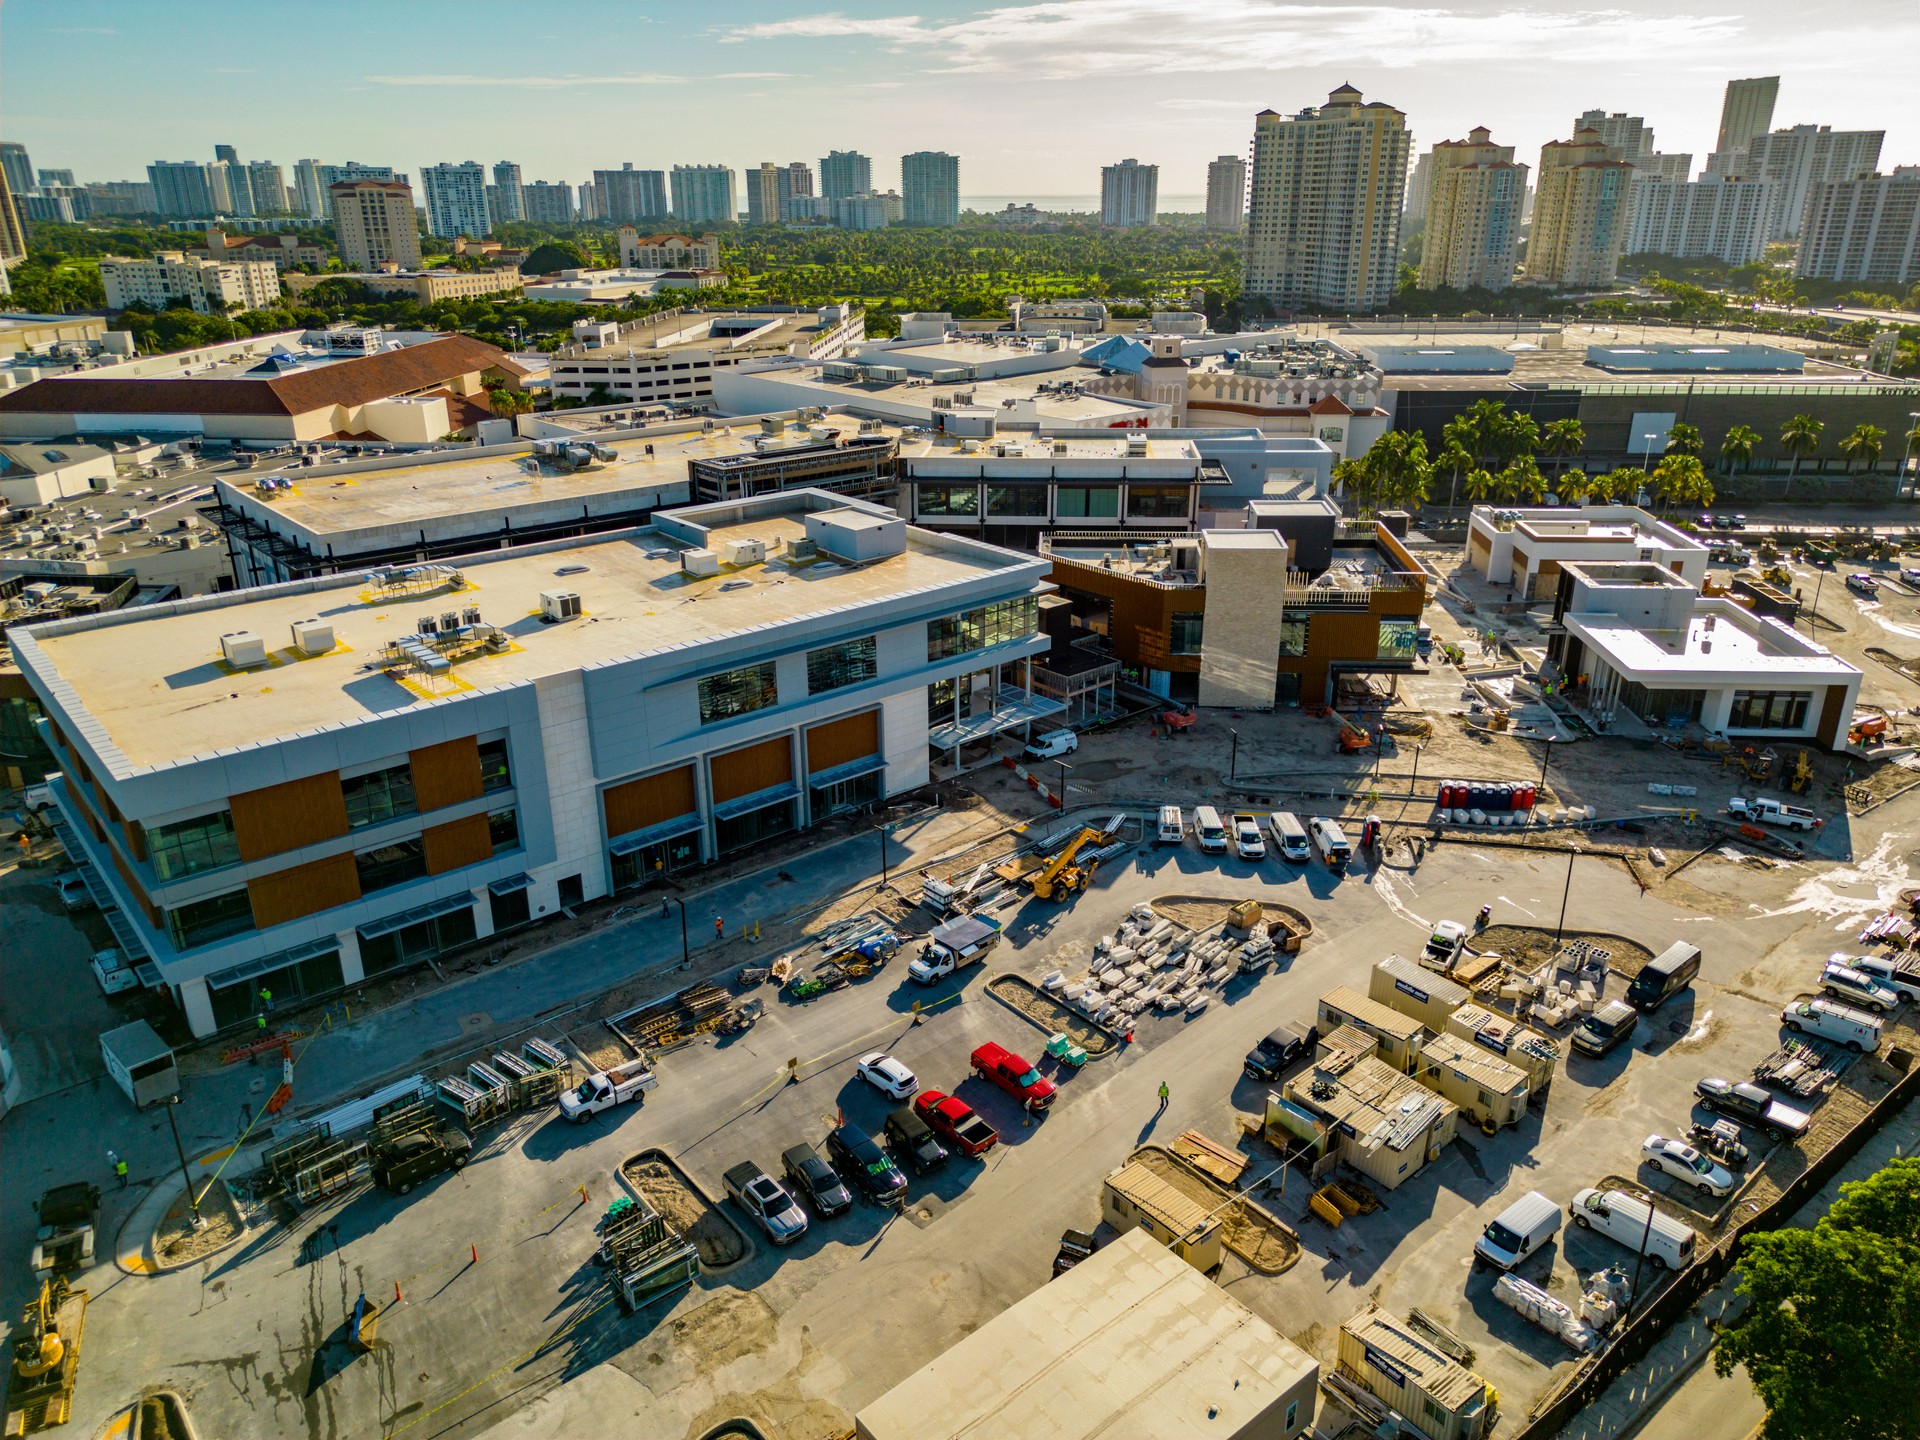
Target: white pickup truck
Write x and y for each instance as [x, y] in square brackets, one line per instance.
[605, 1089]
[1772, 812]
[953, 946]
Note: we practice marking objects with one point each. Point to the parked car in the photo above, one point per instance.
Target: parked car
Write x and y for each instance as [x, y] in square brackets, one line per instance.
[1899, 973]
[1272, 1057]
[1773, 812]
[1052, 745]
[72, 890]
[1829, 1020]
[1000, 1066]
[1746, 1102]
[36, 798]
[956, 1122]
[913, 1140]
[420, 1156]
[815, 1181]
[1683, 1162]
[886, 1074]
[766, 1202]
[1911, 575]
[1445, 945]
[1856, 987]
[865, 1166]
[1606, 1028]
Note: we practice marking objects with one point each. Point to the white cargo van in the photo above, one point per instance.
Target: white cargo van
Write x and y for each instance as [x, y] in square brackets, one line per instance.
[1173, 826]
[1621, 1217]
[1519, 1230]
[1331, 841]
[1829, 1020]
[1289, 836]
[1208, 830]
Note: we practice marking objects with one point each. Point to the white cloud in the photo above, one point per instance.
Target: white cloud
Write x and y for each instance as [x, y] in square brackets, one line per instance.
[1077, 38]
[552, 82]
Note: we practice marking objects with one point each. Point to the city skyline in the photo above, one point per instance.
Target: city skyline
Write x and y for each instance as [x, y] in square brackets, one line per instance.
[840, 78]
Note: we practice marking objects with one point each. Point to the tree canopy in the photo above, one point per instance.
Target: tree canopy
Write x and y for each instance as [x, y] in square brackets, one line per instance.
[1831, 1339]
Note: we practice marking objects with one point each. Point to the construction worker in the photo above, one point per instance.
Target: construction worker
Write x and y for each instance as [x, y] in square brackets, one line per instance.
[266, 1000]
[1163, 1094]
[119, 1168]
[719, 928]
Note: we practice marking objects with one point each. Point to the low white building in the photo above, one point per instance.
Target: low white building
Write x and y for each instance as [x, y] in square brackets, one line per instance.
[675, 357]
[170, 277]
[610, 287]
[1637, 639]
[40, 474]
[1525, 549]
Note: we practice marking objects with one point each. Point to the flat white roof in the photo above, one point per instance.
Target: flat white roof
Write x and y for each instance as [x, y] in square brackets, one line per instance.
[1721, 644]
[1132, 1343]
[155, 681]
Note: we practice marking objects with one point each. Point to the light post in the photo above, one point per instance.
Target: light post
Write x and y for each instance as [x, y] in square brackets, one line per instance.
[1545, 755]
[1413, 786]
[1818, 585]
[1064, 767]
[1560, 926]
[1233, 763]
[686, 955]
[1646, 1237]
[193, 1201]
[883, 831]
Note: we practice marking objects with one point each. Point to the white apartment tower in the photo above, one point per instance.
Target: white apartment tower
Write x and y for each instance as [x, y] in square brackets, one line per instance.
[548, 203]
[506, 199]
[1801, 156]
[930, 188]
[794, 182]
[844, 173]
[1746, 112]
[702, 194]
[1129, 194]
[1474, 196]
[763, 194]
[1580, 213]
[374, 225]
[1865, 229]
[1323, 217]
[1717, 215]
[1227, 193]
[456, 197]
[312, 194]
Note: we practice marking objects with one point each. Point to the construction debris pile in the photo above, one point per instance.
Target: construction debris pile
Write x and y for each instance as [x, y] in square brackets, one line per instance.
[1152, 962]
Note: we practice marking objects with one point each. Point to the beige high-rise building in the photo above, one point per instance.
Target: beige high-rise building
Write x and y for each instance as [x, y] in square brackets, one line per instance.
[1580, 213]
[1323, 217]
[1746, 112]
[1475, 192]
[374, 224]
[763, 193]
[1226, 193]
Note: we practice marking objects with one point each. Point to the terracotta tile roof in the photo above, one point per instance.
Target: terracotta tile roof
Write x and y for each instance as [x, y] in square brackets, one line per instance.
[1329, 405]
[341, 382]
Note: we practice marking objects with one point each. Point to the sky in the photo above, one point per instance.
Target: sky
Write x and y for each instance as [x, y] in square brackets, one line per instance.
[1033, 95]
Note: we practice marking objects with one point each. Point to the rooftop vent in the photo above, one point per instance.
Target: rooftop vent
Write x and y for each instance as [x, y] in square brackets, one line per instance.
[699, 562]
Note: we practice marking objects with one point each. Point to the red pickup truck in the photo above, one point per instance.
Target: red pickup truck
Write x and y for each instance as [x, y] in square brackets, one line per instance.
[956, 1122]
[1000, 1066]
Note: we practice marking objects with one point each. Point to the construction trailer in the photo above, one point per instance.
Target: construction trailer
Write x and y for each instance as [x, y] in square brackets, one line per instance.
[1384, 1124]
[1414, 1378]
[1527, 1050]
[1399, 1036]
[1415, 991]
[141, 1064]
[1134, 1198]
[1490, 1092]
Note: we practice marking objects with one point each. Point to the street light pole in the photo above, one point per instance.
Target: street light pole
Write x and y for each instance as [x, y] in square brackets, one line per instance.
[1646, 1237]
[1064, 767]
[881, 831]
[1545, 755]
[1560, 926]
[686, 955]
[1233, 765]
[1818, 585]
[193, 1201]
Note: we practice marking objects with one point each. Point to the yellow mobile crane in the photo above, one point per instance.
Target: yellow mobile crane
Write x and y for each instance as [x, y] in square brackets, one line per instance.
[1060, 877]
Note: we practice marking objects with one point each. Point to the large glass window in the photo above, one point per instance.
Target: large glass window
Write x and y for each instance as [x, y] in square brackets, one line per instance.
[1399, 639]
[833, 667]
[186, 847]
[1769, 709]
[495, 772]
[738, 692]
[1293, 637]
[417, 942]
[1157, 502]
[940, 700]
[201, 922]
[993, 624]
[1017, 500]
[390, 865]
[1092, 502]
[233, 1004]
[503, 828]
[844, 795]
[949, 500]
[741, 831]
[1184, 637]
[377, 798]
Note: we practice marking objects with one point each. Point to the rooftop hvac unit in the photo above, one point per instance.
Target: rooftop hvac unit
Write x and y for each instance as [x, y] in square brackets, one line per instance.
[772, 425]
[557, 605]
[699, 562]
[470, 615]
[243, 648]
[746, 552]
[803, 551]
[312, 637]
[1136, 445]
[450, 622]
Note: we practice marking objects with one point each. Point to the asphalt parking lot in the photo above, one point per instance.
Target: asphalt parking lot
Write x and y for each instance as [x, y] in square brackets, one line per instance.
[501, 1301]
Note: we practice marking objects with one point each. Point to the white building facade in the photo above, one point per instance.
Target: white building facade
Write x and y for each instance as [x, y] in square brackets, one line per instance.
[702, 194]
[456, 199]
[1129, 194]
[1801, 156]
[209, 286]
[1717, 216]
[1866, 229]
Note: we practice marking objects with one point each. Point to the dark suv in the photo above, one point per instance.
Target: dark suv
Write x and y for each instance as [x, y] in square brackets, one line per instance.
[913, 1140]
[866, 1167]
[1274, 1054]
[814, 1181]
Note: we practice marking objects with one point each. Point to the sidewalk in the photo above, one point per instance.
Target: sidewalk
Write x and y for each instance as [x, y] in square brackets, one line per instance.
[1634, 1399]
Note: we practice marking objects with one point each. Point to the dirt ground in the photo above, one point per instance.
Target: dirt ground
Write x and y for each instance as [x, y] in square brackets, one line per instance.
[1049, 1014]
[175, 1241]
[1529, 947]
[1249, 1231]
[689, 1212]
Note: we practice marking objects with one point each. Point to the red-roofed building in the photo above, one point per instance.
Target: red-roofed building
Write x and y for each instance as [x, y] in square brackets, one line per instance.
[667, 252]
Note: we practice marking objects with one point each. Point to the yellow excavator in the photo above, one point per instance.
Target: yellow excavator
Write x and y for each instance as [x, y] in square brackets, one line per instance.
[1802, 774]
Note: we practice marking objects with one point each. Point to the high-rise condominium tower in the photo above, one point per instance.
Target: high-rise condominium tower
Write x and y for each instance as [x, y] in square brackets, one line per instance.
[374, 224]
[1474, 196]
[1226, 193]
[1129, 194]
[504, 198]
[702, 194]
[1580, 214]
[627, 196]
[1323, 217]
[930, 188]
[456, 197]
[844, 173]
[1747, 111]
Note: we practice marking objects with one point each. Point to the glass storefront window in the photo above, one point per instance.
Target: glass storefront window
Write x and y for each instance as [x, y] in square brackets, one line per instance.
[1399, 640]
[416, 942]
[188, 847]
[945, 500]
[750, 829]
[233, 1004]
[201, 922]
[1091, 502]
[1184, 636]
[1017, 500]
[847, 795]
[1157, 502]
[1769, 709]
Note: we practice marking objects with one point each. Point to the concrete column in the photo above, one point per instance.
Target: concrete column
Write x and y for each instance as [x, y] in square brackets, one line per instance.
[353, 968]
[197, 1005]
[1716, 707]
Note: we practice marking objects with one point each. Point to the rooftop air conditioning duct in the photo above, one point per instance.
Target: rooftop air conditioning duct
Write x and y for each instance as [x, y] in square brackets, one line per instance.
[312, 637]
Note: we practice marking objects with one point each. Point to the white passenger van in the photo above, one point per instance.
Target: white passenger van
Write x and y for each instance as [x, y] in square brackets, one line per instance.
[1173, 826]
[1208, 830]
[1289, 836]
[1331, 841]
[1621, 1217]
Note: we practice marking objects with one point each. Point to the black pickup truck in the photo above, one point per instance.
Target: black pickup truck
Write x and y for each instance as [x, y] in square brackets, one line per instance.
[1750, 1105]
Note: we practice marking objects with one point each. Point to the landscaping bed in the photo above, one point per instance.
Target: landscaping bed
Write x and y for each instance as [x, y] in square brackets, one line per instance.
[1032, 1003]
[686, 1208]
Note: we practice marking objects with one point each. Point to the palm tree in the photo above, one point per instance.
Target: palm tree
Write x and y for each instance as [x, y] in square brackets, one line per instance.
[1351, 480]
[1563, 438]
[1800, 437]
[1573, 485]
[1681, 478]
[1521, 478]
[1684, 439]
[1736, 446]
[1864, 445]
[1455, 459]
[1480, 485]
[1518, 435]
